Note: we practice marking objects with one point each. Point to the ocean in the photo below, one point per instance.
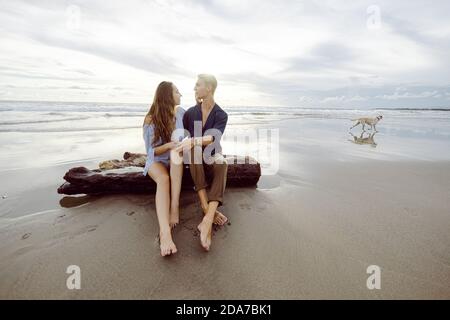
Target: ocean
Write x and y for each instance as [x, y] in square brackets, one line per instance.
[37, 116]
[53, 133]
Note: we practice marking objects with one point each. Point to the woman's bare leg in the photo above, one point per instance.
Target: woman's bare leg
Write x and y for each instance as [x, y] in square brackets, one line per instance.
[176, 176]
[160, 175]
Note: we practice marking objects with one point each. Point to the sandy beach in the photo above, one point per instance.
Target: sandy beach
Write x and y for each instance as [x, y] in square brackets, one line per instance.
[309, 231]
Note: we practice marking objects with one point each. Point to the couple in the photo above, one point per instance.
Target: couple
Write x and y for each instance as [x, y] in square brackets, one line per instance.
[165, 126]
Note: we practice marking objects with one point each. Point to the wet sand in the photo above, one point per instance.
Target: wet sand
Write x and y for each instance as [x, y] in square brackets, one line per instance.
[309, 232]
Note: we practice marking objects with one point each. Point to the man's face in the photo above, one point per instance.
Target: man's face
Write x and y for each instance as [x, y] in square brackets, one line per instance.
[201, 90]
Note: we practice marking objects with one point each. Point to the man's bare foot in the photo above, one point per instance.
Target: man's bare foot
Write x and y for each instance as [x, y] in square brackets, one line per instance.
[166, 244]
[205, 233]
[219, 218]
[174, 215]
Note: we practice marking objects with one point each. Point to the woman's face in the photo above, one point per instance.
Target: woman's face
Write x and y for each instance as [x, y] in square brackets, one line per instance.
[176, 95]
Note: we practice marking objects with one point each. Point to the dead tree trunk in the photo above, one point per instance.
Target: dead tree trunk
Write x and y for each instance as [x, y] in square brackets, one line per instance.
[125, 176]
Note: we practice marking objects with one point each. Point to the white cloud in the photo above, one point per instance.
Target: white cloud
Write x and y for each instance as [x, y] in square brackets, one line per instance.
[262, 52]
[410, 95]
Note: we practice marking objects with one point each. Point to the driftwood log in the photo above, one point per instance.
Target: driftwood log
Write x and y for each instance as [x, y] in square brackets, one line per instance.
[125, 176]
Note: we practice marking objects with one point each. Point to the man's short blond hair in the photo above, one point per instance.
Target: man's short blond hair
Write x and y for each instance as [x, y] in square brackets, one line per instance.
[210, 80]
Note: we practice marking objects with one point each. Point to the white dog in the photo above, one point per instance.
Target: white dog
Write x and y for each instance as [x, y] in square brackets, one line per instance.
[369, 121]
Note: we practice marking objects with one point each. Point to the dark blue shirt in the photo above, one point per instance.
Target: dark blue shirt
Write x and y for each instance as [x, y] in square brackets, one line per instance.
[217, 119]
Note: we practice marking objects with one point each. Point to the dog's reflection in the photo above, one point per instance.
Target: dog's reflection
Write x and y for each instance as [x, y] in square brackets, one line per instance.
[362, 139]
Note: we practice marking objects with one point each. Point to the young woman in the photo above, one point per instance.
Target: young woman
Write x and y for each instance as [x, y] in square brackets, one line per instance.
[160, 142]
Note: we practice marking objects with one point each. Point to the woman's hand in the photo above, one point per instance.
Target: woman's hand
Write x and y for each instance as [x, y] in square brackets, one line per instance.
[185, 144]
[172, 145]
[166, 147]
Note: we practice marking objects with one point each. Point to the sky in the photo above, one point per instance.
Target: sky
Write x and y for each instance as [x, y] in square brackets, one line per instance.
[263, 53]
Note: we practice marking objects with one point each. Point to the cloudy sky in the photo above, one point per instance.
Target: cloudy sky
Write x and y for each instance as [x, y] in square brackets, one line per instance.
[272, 53]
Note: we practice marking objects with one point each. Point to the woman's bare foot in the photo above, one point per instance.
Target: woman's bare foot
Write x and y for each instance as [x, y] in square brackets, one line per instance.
[205, 233]
[166, 244]
[174, 215]
[219, 218]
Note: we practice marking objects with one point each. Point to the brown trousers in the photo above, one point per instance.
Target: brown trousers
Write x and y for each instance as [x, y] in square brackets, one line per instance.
[218, 171]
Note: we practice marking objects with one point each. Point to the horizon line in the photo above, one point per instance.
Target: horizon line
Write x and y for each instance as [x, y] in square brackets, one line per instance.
[250, 106]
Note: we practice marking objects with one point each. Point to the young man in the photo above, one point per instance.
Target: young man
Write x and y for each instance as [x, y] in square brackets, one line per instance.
[206, 123]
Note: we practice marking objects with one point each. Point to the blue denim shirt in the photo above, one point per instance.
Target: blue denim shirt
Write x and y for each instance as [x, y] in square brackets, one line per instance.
[148, 133]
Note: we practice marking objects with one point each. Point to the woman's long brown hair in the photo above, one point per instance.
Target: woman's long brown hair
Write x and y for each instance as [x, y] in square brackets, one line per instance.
[162, 112]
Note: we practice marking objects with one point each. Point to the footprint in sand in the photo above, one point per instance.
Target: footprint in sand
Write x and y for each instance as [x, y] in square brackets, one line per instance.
[91, 228]
[59, 219]
[244, 206]
[87, 229]
[130, 213]
[26, 235]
